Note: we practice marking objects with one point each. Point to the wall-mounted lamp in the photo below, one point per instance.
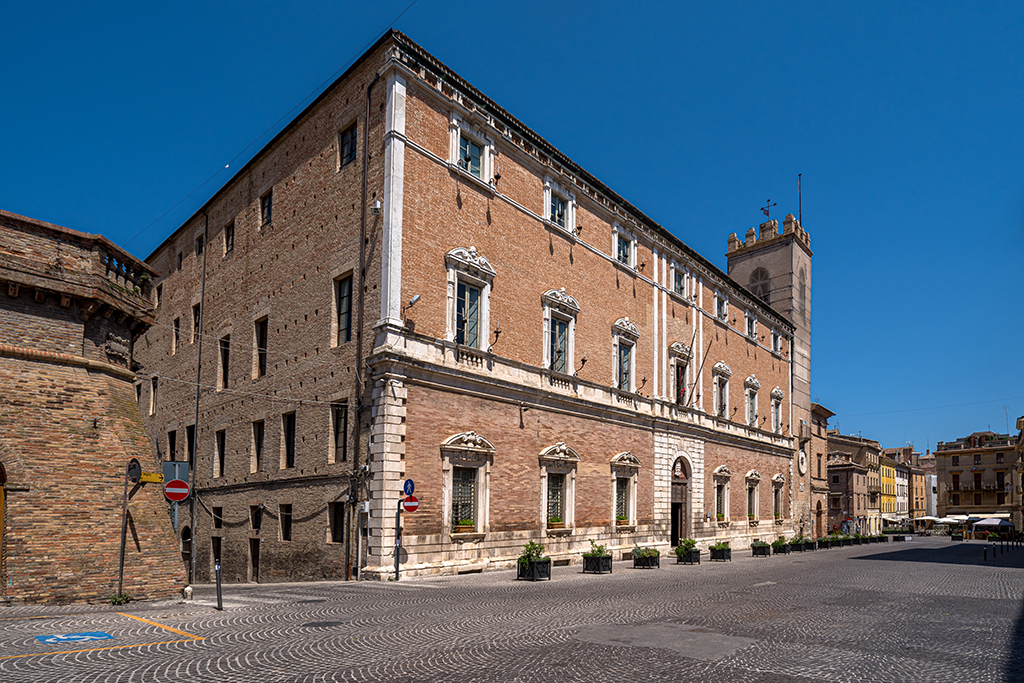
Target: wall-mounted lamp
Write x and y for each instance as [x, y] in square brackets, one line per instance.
[643, 383]
[642, 264]
[583, 361]
[412, 302]
[497, 333]
[376, 209]
[579, 229]
[522, 409]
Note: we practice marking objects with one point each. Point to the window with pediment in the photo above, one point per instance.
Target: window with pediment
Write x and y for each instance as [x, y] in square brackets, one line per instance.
[470, 277]
[558, 477]
[466, 461]
[720, 385]
[625, 470]
[679, 358]
[625, 335]
[560, 310]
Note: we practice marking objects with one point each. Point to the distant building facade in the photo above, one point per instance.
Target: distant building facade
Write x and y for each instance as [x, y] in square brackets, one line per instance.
[867, 453]
[848, 495]
[977, 476]
[72, 305]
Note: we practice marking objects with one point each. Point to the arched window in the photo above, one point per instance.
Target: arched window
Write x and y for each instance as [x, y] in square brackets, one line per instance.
[760, 285]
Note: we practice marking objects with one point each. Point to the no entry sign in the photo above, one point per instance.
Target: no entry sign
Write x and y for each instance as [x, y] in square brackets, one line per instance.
[176, 490]
[410, 504]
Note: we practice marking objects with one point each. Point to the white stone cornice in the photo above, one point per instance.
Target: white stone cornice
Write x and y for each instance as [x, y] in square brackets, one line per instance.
[557, 298]
[681, 350]
[468, 441]
[561, 452]
[627, 329]
[722, 471]
[777, 393]
[753, 475]
[626, 459]
[722, 369]
[751, 382]
[470, 261]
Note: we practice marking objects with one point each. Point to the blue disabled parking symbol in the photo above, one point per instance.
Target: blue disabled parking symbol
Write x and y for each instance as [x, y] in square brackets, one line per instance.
[76, 637]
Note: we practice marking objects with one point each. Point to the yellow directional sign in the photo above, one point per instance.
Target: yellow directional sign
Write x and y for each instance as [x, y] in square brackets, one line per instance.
[152, 477]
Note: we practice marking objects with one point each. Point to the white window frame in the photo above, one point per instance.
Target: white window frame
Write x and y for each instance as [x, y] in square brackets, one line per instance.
[460, 127]
[776, 342]
[680, 283]
[680, 354]
[554, 189]
[722, 476]
[557, 305]
[721, 306]
[624, 333]
[751, 322]
[720, 389]
[625, 465]
[751, 386]
[777, 397]
[559, 459]
[622, 234]
[778, 506]
[465, 265]
[467, 450]
[753, 482]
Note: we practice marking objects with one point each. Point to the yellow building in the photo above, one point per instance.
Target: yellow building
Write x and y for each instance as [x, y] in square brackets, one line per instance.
[887, 475]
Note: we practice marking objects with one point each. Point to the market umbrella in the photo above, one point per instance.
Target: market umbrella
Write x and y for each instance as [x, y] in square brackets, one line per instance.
[992, 521]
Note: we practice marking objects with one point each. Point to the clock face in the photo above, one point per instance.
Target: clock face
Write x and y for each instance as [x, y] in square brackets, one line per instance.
[802, 462]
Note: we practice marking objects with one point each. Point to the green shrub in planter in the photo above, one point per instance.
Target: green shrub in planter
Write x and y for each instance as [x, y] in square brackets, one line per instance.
[760, 549]
[687, 552]
[780, 546]
[597, 559]
[720, 551]
[646, 558]
[531, 564]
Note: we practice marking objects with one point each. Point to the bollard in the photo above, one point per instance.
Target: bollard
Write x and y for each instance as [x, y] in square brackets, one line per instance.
[985, 554]
[220, 605]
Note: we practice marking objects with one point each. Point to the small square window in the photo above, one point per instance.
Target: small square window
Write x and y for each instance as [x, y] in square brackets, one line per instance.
[267, 208]
[977, 458]
[229, 237]
[835, 478]
[347, 145]
[956, 460]
[470, 154]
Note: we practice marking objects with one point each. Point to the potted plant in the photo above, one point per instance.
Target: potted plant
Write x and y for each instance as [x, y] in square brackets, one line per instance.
[532, 565]
[555, 523]
[780, 547]
[645, 558]
[760, 549]
[720, 551]
[463, 526]
[750, 516]
[597, 559]
[621, 520]
[720, 517]
[857, 539]
[845, 540]
[797, 544]
[687, 552]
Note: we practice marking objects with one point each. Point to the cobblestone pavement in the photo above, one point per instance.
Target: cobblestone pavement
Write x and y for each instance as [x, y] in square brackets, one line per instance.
[928, 610]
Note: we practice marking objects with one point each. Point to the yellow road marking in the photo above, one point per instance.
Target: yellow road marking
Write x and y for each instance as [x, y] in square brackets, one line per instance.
[166, 628]
[190, 637]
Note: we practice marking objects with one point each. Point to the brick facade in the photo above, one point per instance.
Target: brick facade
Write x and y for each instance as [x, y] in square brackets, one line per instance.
[479, 241]
[70, 304]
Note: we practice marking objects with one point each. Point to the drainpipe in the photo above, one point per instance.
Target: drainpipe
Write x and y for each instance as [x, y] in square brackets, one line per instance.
[195, 428]
[359, 377]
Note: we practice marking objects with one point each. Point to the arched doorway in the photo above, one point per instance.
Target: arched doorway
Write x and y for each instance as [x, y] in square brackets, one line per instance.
[819, 521]
[680, 501]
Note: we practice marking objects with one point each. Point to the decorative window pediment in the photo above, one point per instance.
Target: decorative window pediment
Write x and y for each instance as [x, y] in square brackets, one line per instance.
[558, 299]
[751, 383]
[626, 459]
[722, 369]
[560, 452]
[777, 393]
[753, 475]
[626, 329]
[469, 443]
[723, 471]
[680, 350]
[469, 261]
[778, 479]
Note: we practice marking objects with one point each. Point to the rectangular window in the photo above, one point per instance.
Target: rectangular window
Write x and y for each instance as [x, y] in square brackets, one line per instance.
[752, 501]
[776, 415]
[999, 457]
[469, 156]
[195, 323]
[776, 342]
[218, 518]
[556, 498]
[720, 509]
[835, 478]
[336, 515]
[229, 237]
[287, 440]
[343, 309]
[977, 480]
[777, 502]
[557, 210]
[138, 395]
[721, 307]
[190, 443]
[752, 409]
[977, 499]
[836, 502]
[285, 516]
[224, 348]
[199, 245]
[467, 315]
[751, 326]
[819, 465]
[347, 145]
[464, 496]
[1000, 480]
[159, 295]
[721, 396]
[255, 517]
[219, 462]
[258, 431]
[956, 499]
[260, 332]
[622, 499]
[623, 249]
[623, 378]
[558, 344]
[956, 482]
[172, 445]
[339, 425]
[977, 458]
[679, 282]
[181, 257]
[956, 460]
[176, 335]
[680, 383]
[152, 395]
[266, 208]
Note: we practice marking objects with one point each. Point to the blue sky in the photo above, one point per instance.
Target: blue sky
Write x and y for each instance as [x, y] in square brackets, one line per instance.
[905, 119]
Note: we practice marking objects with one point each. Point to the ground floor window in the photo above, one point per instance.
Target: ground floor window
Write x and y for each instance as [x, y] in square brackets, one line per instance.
[336, 521]
[464, 497]
[556, 499]
[622, 500]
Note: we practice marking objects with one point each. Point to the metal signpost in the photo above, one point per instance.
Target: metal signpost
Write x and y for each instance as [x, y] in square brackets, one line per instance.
[174, 469]
[132, 473]
[407, 504]
[176, 490]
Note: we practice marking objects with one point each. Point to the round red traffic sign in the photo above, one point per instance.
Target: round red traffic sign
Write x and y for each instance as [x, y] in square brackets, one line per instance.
[176, 490]
[410, 504]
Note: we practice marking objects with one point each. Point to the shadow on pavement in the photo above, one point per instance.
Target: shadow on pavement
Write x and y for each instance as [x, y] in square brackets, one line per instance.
[956, 553]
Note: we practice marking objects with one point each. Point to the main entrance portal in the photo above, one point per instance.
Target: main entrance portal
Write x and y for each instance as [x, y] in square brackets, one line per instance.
[680, 501]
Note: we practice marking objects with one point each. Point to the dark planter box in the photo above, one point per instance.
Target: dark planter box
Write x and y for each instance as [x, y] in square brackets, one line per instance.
[796, 547]
[956, 537]
[534, 571]
[857, 541]
[784, 550]
[646, 562]
[824, 544]
[724, 555]
[689, 557]
[898, 539]
[599, 564]
[847, 542]
[883, 539]
[761, 550]
[809, 545]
